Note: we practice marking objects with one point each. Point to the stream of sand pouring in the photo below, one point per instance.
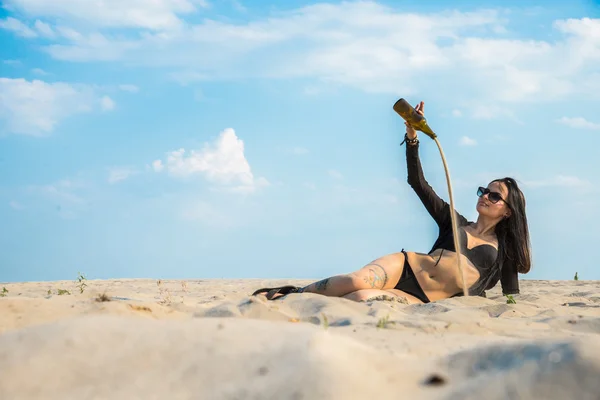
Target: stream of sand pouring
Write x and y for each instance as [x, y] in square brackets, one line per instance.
[408, 113]
[453, 218]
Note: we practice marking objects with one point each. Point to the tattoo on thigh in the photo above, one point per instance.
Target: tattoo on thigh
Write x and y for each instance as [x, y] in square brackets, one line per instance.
[322, 285]
[377, 277]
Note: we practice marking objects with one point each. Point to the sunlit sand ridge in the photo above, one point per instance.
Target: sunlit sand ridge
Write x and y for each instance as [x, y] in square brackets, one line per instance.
[208, 339]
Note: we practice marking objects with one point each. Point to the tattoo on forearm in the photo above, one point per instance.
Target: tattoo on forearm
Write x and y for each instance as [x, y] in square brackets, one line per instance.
[377, 277]
[322, 285]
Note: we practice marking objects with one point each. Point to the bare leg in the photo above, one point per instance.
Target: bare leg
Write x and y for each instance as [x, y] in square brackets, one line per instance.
[335, 286]
[382, 273]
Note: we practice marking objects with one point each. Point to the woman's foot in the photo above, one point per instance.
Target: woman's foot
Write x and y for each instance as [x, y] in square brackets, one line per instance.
[277, 292]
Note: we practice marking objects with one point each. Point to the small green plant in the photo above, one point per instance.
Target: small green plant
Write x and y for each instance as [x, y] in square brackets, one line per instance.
[325, 321]
[49, 292]
[383, 322]
[576, 277]
[62, 292]
[4, 292]
[510, 299]
[81, 279]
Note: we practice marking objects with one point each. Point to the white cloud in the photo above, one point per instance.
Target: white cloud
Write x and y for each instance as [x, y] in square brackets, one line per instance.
[36, 107]
[578, 123]
[155, 14]
[21, 29]
[129, 88]
[118, 174]
[157, 165]
[16, 26]
[222, 163]
[15, 205]
[39, 71]
[62, 191]
[106, 103]
[44, 29]
[238, 6]
[335, 174]
[363, 44]
[467, 141]
[360, 44]
[11, 62]
[456, 113]
[585, 27]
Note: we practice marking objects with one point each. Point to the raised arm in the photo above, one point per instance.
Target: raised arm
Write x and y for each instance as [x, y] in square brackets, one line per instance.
[437, 208]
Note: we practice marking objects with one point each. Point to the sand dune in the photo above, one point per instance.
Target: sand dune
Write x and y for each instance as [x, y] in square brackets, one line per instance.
[207, 339]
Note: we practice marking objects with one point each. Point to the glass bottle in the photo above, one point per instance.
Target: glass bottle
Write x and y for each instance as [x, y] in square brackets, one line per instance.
[414, 119]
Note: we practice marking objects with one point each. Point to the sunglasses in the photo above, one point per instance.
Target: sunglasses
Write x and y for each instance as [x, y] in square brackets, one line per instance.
[494, 197]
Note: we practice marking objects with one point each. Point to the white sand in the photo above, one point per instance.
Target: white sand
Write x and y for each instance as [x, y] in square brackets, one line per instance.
[208, 339]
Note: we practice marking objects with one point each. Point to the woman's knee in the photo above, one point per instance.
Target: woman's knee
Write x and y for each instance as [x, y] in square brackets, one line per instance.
[382, 274]
[366, 294]
[356, 280]
[355, 296]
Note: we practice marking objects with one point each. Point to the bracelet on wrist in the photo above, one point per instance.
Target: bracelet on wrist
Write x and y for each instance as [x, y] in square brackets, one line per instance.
[408, 141]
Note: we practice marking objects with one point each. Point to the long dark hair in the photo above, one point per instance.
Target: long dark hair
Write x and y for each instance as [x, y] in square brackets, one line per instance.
[513, 231]
[513, 240]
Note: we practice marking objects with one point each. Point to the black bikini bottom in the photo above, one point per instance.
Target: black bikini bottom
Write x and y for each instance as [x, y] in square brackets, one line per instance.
[408, 282]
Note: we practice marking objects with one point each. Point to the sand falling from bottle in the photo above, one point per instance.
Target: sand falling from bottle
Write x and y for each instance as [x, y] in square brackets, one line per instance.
[419, 123]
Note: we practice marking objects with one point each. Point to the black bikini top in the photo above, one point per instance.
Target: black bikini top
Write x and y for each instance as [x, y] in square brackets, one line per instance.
[482, 256]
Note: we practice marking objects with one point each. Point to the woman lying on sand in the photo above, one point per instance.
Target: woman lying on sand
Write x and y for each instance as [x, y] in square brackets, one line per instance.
[494, 248]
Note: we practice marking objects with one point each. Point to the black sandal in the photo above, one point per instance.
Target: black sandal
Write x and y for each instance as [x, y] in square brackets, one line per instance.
[282, 290]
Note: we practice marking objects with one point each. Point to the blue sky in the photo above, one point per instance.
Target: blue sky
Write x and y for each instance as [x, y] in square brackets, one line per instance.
[236, 139]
